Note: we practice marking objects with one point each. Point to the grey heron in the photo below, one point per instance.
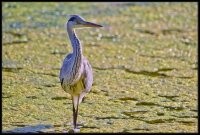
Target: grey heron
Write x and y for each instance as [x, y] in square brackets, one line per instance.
[76, 75]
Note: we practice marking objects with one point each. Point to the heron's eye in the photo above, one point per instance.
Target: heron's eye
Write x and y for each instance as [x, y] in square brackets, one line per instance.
[72, 19]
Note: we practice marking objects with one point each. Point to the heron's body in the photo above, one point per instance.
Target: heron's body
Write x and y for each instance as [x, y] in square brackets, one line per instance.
[78, 82]
[76, 73]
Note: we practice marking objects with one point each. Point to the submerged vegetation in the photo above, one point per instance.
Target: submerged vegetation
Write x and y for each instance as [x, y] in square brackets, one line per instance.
[144, 64]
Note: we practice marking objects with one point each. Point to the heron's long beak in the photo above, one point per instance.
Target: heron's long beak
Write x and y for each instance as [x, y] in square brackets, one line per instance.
[89, 24]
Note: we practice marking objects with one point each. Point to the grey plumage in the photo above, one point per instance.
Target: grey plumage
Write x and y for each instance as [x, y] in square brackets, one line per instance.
[76, 72]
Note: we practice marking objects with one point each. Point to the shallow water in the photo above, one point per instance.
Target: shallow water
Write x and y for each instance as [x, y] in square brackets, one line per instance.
[144, 64]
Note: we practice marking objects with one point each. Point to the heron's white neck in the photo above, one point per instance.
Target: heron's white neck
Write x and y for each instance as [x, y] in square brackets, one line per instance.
[74, 41]
[77, 53]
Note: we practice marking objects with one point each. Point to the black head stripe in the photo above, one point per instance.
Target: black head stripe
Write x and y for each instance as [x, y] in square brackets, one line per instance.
[72, 19]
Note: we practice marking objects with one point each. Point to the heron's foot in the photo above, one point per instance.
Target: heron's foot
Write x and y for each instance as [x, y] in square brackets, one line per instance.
[74, 130]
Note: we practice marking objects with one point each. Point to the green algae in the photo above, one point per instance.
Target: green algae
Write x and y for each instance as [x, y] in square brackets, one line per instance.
[144, 64]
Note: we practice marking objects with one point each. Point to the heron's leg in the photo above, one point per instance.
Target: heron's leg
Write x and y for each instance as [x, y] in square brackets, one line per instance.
[76, 113]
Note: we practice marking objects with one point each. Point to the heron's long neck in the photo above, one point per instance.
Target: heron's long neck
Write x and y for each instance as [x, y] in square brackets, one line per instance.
[77, 52]
[77, 49]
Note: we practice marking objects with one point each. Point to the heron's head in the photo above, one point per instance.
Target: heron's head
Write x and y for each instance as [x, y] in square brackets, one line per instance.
[77, 21]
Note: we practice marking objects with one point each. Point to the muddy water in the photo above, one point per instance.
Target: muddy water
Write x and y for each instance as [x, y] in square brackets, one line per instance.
[144, 64]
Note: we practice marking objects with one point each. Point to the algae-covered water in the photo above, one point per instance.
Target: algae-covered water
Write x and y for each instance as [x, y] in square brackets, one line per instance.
[144, 63]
